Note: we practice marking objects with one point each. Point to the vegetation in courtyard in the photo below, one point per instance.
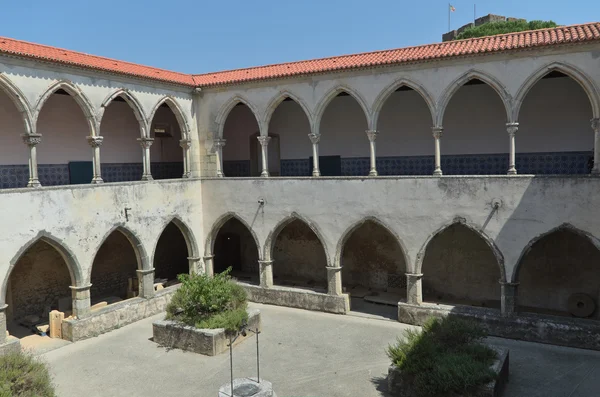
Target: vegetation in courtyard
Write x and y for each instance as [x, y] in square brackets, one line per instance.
[493, 28]
[25, 376]
[209, 302]
[446, 358]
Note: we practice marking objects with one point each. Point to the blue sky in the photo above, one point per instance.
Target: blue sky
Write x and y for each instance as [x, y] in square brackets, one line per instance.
[204, 36]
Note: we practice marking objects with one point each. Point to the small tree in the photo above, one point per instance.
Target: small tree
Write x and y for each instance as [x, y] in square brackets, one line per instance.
[494, 28]
[23, 375]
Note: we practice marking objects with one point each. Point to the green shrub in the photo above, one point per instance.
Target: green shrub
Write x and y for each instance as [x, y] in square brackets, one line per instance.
[209, 302]
[493, 28]
[24, 376]
[445, 358]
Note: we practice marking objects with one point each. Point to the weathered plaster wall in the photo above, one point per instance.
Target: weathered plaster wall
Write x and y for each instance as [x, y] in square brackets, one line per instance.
[39, 279]
[459, 267]
[560, 264]
[170, 257]
[114, 264]
[372, 257]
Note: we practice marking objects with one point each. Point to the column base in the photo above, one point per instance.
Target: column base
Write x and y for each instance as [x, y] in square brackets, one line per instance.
[414, 289]
[334, 281]
[316, 173]
[97, 180]
[373, 173]
[595, 171]
[81, 301]
[266, 273]
[186, 175]
[220, 174]
[264, 174]
[147, 178]
[34, 183]
[146, 280]
[511, 171]
[437, 173]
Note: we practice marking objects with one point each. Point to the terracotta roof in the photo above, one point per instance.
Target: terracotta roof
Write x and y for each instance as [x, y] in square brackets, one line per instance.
[504, 42]
[58, 55]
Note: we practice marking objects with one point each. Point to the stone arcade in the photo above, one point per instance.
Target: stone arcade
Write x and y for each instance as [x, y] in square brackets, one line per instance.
[456, 177]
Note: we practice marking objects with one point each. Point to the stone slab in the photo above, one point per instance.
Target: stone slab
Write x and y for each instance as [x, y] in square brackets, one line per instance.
[248, 387]
[399, 387]
[12, 345]
[210, 342]
[298, 298]
[554, 330]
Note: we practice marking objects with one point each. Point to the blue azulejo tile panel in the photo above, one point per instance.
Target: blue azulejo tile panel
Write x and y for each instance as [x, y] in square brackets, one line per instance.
[53, 174]
[355, 166]
[565, 163]
[236, 168]
[475, 164]
[297, 167]
[405, 165]
[122, 172]
[13, 176]
[167, 170]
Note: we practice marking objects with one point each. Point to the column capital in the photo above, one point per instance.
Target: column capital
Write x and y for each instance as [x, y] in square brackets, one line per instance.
[219, 143]
[314, 138]
[80, 288]
[185, 143]
[437, 132]
[264, 140]
[595, 122]
[372, 135]
[3, 307]
[512, 128]
[146, 142]
[31, 139]
[95, 141]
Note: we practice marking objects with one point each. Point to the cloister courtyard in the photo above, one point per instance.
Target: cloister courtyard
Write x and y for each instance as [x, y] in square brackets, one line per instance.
[302, 353]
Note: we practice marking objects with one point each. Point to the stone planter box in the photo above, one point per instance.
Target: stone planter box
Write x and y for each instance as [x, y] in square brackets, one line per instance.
[210, 342]
[399, 387]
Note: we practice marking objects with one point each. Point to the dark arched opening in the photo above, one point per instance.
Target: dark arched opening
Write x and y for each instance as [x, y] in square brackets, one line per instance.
[166, 154]
[240, 153]
[171, 255]
[235, 247]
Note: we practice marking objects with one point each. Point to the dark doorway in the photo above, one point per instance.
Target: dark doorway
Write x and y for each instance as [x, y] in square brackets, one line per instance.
[235, 247]
[228, 250]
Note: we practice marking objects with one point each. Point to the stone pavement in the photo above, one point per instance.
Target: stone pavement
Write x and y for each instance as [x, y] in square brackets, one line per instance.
[304, 354]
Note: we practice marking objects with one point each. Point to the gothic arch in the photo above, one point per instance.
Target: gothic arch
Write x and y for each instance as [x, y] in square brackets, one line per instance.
[18, 98]
[564, 227]
[348, 232]
[179, 115]
[388, 91]
[133, 103]
[272, 237]
[143, 262]
[490, 80]
[228, 107]
[190, 240]
[84, 103]
[490, 243]
[214, 230]
[329, 96]
[275, 102]
[67, 255]
[571, 71]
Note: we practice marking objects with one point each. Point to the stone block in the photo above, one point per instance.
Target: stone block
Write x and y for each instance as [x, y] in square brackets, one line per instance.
[210, 342]
[12, 345]
[449, 36]
[56, 319]
[399, 386]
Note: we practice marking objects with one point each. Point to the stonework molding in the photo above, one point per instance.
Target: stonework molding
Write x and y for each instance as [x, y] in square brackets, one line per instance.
[181, 117]
[512, 128]
[95, 141]
[329, 96]
[314, 138]
[188, 236]
[277, 100]
[372, 135]
[264, 140]
[145, 143]
[437, 132]
[20, 101]
[133, 103]
[185, 143]
[224, 111]
[214, 230]
[595, 123]
[32, 139]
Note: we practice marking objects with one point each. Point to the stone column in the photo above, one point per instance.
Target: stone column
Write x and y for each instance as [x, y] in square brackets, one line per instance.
[32, 140]
[195, 265]
[372, 135]
[219, 143]
[437, 135]
[512, 129]
[95, 142]
[266, 273]
[145, 143]
[334, 280]
[264, 145]
[508, 300]
[596, 127]
[146, 280]
[208, 265]
[414, 288]
[185, 145]
[81, 300]
[3, 323]
[314, 139]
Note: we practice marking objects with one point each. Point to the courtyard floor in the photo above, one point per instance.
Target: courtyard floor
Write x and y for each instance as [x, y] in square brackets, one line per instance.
[304, 354]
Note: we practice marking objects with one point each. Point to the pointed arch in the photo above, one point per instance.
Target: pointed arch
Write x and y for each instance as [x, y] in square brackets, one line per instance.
[190, 240]
[84, 103]
[277, 100]
[20, 101]
[488, 79]
[176, 109]
[133, 103]
[142, 259]
[272, 237]
[564, 227]
[214, 230]
[388, 91]
[228, 107]
[460, 221]
[352, 228]
[329, 96]
[580, 77]
[67, 255]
